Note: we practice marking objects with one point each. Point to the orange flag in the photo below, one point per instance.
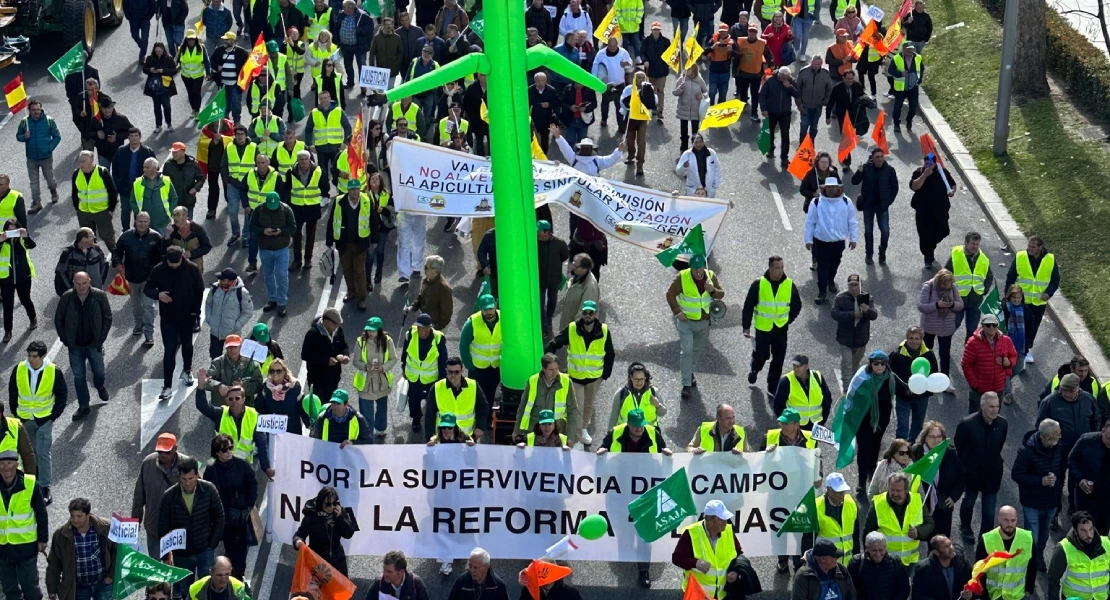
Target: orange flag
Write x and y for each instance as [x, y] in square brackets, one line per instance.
[871, 37]
[803, 159]
[541, 573]
[928, 146]
[320, 580]
[879, 134]
[356, 149]
[848, 139]
[694, 590]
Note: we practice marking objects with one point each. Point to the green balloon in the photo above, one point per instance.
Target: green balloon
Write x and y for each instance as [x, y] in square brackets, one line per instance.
[593, 527]
[920, 365]
[312, 406]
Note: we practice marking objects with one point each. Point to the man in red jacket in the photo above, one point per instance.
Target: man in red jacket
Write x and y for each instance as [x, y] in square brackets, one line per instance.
[989, 358]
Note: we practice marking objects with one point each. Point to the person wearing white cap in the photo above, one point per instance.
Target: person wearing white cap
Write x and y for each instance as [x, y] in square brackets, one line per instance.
[836, 516]
[701, 553]
[830, 222]
[24, 531]
[584, 156]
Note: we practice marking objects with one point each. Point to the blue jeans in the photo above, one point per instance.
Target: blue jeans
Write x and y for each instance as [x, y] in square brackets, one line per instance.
[234, 207]
[718, 86]
[376, 412]
[77, 357]
[632, 43]
[1038, 521]
[95, 591]
[198, 564]
[175, 36]
[986, 509]
[681, 25]
[234, 97]
[869, 218]
[140, 32]
[42, 438]
[576, 131]
[970, 317]
[275, 266]
[20, 579]
[911, 416]
[428, 108]
[810, 119]
[801, 28]
[376, 258]
[125, 209]
[252, 242]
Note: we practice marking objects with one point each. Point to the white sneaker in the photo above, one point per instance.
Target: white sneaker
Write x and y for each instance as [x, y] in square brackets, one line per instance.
[1029, 357]
[187, 378]
[166, 393]
[803, 58]
[445, 568]
[585, 437]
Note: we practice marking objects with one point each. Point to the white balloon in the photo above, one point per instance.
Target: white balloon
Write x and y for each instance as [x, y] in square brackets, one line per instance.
[938, 382]
[918, 383]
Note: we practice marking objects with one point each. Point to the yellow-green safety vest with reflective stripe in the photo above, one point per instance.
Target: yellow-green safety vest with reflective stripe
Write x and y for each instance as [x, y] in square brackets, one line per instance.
[198, 585]
[257, 190]
[531, 439]
[7, 203]
[900, 64]
[383, 198]
[360, 376]
[586, 362]
[485, 348]
[257, 96]
[841, 8]
[644, 404]
[1055, 382]
[285, 159]
[364, 210]
[415, 61]
[92, 195]
[243, 436]
[773, 309]
[1034, 285]
[238, 164]
[17, 519]
[264, 129]
[898, 542]
[327, 130]
[615, 447]
[277, 74]
[560, 399]
[968, 280]
[352, 427]
[770, 7]
[705, 435]
[1085, 578]
[1007, 581]
[445, 135]
[39, 403]
[265, 366]
[839, 533]
[318, 23]
[461, 406]
[192, 62]
[807, 405]
[719, 557]
[344, 172]
[6, 259]
[318, 56]
[9, 440]
[409, 113]
[425, 371]
[690, 301]
[774, 435]
[305, 195]
[138, 191]
[296, 61]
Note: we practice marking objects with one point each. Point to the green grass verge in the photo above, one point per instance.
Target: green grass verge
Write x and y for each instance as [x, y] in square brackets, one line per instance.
[1053, 182]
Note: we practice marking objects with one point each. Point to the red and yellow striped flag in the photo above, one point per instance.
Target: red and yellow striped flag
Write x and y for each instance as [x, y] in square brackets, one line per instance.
[94, 105]
[15, 94]
[356, 150]
[255, 61]
[975, 584]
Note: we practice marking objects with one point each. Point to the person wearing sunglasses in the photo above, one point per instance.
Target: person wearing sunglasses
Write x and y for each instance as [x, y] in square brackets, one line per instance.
[988, 360]
[873, 387]
[238, 421]
[895, 459]
[460, 397]
[281, 395]
[234, 479]
[325, 523]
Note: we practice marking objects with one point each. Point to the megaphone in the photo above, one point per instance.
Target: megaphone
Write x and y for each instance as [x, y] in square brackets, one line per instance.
[717, 309]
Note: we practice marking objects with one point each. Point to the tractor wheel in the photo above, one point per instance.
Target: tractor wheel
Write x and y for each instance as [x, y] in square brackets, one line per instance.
[114, 12]
[80, 24]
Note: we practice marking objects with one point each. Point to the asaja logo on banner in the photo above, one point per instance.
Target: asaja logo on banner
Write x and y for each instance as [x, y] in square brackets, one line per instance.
[437, 202]
[667, 512]
[483, 205]
[666, 504]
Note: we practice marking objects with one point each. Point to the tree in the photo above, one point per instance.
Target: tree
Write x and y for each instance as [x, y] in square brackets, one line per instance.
[1031, 58]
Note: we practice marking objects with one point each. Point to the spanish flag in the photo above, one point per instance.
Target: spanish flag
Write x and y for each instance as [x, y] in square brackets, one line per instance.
[356, 150]
[995, 559]
[254, 64]
[94, 105]
[221, 128]
[15, 94]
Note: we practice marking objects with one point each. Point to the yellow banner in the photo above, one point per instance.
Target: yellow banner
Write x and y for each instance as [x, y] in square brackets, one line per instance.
[693, 48]
[723, 114]
[636, 109]
[672, 54]
[608, 27]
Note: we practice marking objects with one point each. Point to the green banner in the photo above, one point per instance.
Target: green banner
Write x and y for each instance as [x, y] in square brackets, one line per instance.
[135, 571]
[927, 466]
[214, 110]
[659, 510]
[804, 518]
[478, 25]
[70, 62]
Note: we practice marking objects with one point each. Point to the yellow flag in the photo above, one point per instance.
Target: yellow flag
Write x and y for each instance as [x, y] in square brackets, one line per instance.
[636, 109]
[484, 112]
[608, 27]
[537, 151]
[693, 48]
[199, 26]
[723, 114]
[672, 54]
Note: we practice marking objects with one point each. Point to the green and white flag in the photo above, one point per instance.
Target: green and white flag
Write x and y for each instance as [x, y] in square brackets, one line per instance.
[764, 141]
[478, 25]
[70, 62]
[927, 466]
[214, 110]
[992, 305]
[307, 9]
[659, 510]
[135, 571]
[804, 518]
[692, 244]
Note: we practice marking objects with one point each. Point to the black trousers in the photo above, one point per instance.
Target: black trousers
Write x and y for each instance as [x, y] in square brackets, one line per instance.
[235, 548]
[214, 184]
[417, 393]
[1033, 316]
[215, 346]
[193, 87]
[309, 239]
[480, 133]
[944, 353]
[688, 129]
[9, 289]
[772, 345]
[614, 98]
[868, 446]
[782, 122]
[828, 255]
[176, 335]
[487, 380]
[748, 87]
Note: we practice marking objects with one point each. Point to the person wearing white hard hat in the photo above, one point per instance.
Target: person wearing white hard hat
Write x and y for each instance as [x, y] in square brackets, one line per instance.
[830, 222]
[716, 570]
[836, 516]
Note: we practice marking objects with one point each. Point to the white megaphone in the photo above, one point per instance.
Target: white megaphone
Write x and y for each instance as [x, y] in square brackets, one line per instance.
[560, 549]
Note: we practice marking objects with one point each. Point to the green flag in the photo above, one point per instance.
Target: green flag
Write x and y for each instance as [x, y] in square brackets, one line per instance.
[659, 510]
[275, 12]
[478, 25]
[992, 305]
[851, 412]
[764, 142]
[483, 290]
[214, 110]
[373, 8]
[135, 571]
[693, 243]
[309, 10]
[804, 518]
[927, 466]
[70, 62]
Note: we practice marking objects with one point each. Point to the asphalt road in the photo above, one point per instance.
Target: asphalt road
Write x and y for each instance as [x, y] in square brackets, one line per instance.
[98, 458]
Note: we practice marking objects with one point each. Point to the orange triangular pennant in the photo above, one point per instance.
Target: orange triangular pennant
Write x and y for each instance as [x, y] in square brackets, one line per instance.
[541, 573]
[848, 139]
[879, 134]
[694, 590]
[803, 159]
[319, 579]
[928, 146]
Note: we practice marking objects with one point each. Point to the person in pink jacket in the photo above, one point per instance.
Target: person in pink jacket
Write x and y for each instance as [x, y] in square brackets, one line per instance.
[939, 303]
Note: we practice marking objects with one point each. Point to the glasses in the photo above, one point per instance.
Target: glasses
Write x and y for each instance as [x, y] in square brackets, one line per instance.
[278, 371]
[223, 449]
[878, 363]
[989, 326]
[902, 453]
[639, 379]
[329, 504]
[454, 371]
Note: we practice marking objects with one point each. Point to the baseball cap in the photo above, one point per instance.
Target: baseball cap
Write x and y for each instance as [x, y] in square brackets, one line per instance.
[271, 46]
[486, 301]
[424, 320]
[373, 324]
[836, 483]
[229, 273]
[799, 360]
[339, 397]
[789, 415]
[446, 420]
[228, 36]
[753, 27]
[191, 33]
[636, 418]
[547, 416]
[177, 146]
[166, 443]
[826, 548]
[354, 184]
[272, 200]
[233, 341]
[333, 315]
[716, 508]
[722, 27]
[988, 319]
[1069, 381]
[841, 31]
[656, 25]
[697, 262]
[261, 333]
[543, 225]
[589, 305]
[9, 455]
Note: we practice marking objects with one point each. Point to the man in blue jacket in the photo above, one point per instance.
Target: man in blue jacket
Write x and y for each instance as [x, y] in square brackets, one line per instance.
[40, 133]
[127, 166]
[139, 13]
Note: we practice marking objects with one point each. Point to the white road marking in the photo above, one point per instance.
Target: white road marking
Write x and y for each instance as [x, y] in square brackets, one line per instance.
[840, 381]
[54, 349]
[782, 209]
[7, 117]
[262, 591]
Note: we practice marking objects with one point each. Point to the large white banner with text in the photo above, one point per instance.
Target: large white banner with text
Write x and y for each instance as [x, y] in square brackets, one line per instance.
[437, 181]
[442, 501]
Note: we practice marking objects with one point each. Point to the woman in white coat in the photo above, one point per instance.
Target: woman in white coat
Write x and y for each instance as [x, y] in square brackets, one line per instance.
[700, 167]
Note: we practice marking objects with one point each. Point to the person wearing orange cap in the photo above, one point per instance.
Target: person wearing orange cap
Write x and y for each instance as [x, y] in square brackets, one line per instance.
[652, 49]
[752, 58]
[840, 56]
[233, 367]
[158, 473]
[720, 53]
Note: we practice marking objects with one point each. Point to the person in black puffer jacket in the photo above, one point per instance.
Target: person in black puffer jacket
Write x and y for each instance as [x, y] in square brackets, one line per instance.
[1036, 470]
[234, 479]
[876, 574]
[324, 525]
[945, 491]
[203, 523]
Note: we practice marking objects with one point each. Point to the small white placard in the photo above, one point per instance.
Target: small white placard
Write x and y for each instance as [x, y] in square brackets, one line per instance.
[875, 12]
[375, 78]
[550, 9]
[257, 352]
[272, 423]
[11, 233]
[123, 530]
[824, 434]
[174, 540]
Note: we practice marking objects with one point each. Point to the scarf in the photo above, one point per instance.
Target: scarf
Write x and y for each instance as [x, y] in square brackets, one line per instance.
[278, 391]
[1015, 325]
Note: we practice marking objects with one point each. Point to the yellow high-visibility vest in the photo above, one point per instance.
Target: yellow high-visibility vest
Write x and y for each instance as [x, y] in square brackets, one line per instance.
[900, 64]
[409, 113]
[192, 62]
[968, 280]
[462, 406]
[692, 303]
[342, 165]
[586, 362]
[644, 404]
[649, 431]
[240, 159]
[277, 73]
[773, 309]
[485, 348]
[327, 130]
[318, 56]
[243, 436]
[364, 210]
[445, 135]
[8, 202]
[138, 193]
[1055, 382]
[352, 428]
[774, 435]
[705, 432]
[1034, 285]
[305, 195]
[898, 541]
[360, 376]
[719, 557]
[1007, 581]
[288, 159]
[198, 585]
[264, 129]
[37, 403]
[839, 533]
[770, 7]
[317, 24]
[92, 195]
[807, 405]
[1086, 578]
[17, 519]
[9, 440]
[257, 190]
[560, 399]
[425, 371]
[6, 258]
[531, 439]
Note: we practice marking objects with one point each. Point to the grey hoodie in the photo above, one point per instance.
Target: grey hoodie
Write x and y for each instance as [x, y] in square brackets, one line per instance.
[227, 312]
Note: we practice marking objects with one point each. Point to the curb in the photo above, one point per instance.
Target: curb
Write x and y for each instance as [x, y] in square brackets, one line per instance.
[1071, 324]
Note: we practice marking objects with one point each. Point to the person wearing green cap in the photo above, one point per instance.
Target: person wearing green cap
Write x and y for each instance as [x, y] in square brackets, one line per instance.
[266, 128]
[374, 362]
[553, 252]
[353, 230]
[689, 297]
[273, 224]
[548, 390]
[480, 345]
[278, 65]
[342, 424]
[261, 333]
[448, 432]
[546, 434]
[634, 436]
[590, 357]
[153, 193]
[460, 396]
[789, 432]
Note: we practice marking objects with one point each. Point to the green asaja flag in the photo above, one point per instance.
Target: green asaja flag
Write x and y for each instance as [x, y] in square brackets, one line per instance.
[373, 8]
[659, 510]
[309, 10]
[70, 62]
[693, 244]
[478, 25]
[992, 305]
[214, 110]
[927, 466]
[764, 141]
[804, 518]
[275, 12]
[135, 571]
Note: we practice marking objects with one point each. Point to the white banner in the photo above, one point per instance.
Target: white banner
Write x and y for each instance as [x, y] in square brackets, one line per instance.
[123, 530]
[174, 540]
[437, 181]
[442, 501]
